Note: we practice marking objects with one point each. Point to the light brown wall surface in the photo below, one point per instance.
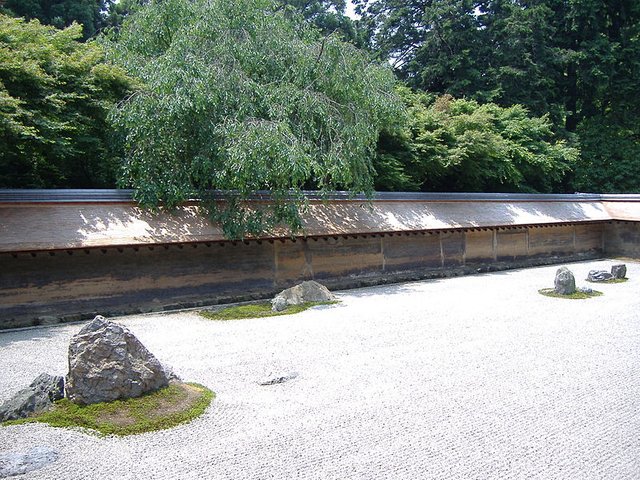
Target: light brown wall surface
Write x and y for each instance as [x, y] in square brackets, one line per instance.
[59, 226]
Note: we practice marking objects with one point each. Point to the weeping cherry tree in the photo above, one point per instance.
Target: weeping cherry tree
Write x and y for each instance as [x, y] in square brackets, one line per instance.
[242, 97]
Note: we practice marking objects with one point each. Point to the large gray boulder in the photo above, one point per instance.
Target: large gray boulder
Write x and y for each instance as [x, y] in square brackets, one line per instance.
[565, 282]
[309, 291]
[107, 362]
[36, 398]
[619, 271]
[599, 276]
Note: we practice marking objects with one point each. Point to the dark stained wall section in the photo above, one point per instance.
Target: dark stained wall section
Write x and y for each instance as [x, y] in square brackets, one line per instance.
[130, 280]
[70, 285]
[412, 252]
[622, 239]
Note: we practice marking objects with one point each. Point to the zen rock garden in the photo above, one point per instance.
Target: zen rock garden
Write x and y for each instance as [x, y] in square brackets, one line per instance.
[107, 362]
[303, 390]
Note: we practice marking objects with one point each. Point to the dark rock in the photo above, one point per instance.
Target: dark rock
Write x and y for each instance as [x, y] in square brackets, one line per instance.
[49, 385]
[277, 379]
[586, 290]
[14, 463]
[599, 276]
[278, 304]
[309, 291]
[24, 403]
[107, 362]
[619, 271]
[36, 398]
[565, 282]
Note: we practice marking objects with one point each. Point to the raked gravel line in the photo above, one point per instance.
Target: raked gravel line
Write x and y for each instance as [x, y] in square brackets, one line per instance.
[476, 377]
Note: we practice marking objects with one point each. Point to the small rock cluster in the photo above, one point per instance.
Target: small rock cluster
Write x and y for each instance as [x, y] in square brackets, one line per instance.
[106, 362]
[309, 291]
[617, 272]
[565, 282]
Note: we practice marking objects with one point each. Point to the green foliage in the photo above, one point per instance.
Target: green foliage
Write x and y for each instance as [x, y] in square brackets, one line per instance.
[610, 161]
[460, 145]
[329, 17]
[61, 13]
[159, 410]
[257, 310]
[576, 61]
[55, 94]
[117, 12]
[242, 97]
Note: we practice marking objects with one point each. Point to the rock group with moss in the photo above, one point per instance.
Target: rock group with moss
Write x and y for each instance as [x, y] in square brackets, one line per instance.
[618, 272]
[309, 291]
[106, 362]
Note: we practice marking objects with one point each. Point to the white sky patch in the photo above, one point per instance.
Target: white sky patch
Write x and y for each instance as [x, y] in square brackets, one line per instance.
[351, 11]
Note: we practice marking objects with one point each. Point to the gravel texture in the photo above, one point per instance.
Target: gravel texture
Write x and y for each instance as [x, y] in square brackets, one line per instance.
[476, 377]
[12, 463]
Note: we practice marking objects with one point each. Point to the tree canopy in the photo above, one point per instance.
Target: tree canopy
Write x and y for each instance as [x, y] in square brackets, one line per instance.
[329, 17]
[55, 94]
[576, 61]
[453, 144]
[244, 96]
[62, 13]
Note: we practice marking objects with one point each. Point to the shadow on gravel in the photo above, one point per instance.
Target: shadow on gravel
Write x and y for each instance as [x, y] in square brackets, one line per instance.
[391, 289]
[29, 335]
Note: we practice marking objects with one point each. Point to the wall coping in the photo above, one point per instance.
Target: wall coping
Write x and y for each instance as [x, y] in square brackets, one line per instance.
[50, 220]
[12, 196]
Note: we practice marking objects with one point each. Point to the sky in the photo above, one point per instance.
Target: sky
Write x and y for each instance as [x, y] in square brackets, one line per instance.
[350, 11]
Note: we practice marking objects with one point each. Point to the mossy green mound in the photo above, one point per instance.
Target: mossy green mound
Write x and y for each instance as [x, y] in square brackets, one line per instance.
[577, 295]
[257, 310]
[176, 404]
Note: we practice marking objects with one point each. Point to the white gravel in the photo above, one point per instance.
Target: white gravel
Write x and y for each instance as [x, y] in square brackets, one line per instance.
[468, 378]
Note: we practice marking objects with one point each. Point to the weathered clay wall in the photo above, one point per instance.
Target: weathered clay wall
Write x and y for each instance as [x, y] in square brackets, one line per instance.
[69, 285]
[622, 239]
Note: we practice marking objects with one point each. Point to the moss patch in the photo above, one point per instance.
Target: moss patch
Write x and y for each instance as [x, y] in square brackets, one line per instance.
[613, 280]
[577, 295]
[178, 403]
[257, 310]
